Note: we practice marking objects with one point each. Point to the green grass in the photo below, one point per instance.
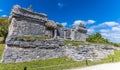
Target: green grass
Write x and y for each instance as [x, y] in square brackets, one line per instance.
[48, 64]
[53, 64]
[1, 39]
[75, 43]
[56, 63]
[34, 37]
[2, 46]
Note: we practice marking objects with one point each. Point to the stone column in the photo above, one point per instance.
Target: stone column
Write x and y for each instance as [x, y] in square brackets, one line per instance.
[65, 33]
[55, 33]
[72, 34]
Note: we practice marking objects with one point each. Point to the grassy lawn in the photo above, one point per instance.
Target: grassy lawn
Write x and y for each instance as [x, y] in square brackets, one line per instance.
[53, 64]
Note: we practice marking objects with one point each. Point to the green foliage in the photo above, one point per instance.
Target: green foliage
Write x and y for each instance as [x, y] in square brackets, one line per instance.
[82, 25]
[3, 26]
[30, 7]
[97, 38]
[2, 46]
[74, 43]
[59, 25]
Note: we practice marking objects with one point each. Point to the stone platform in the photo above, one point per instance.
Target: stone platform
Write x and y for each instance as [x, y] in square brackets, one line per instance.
[20, 51]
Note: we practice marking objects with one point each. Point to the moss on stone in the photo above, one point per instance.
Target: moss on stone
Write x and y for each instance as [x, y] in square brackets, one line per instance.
[34, 37]
[74, 43]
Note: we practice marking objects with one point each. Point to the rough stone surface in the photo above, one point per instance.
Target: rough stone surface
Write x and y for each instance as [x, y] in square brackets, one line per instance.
[25, 22]
[78, 33]
[92, 52]
[64, 33]
[14, 54]
[36, 43]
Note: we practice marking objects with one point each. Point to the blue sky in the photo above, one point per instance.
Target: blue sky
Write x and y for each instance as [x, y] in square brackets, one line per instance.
[97, 15]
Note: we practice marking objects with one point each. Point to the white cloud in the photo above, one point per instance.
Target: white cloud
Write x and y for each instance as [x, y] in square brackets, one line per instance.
[112, 36]
[104, 30]
[64, 24]
[90, 31]
[91, 21]
[106, 24]
[4, 16]
[116, 28]
[77, 22]
[60, 4]
[1, 10]
[110, 23]
[109, 30]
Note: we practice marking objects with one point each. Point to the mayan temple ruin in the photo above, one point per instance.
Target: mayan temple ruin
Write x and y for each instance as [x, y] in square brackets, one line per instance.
[26, 22]
[33, 36]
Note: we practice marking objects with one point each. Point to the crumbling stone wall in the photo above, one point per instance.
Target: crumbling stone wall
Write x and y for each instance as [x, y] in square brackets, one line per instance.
[78, 33]
[64, 33]
[22, 50]
[92, 52]
[26, 22]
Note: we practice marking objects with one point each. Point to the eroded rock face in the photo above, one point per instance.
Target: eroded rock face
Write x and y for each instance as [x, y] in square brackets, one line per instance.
[16, 54]
[25, 22]
[78, 33]
[92, 52]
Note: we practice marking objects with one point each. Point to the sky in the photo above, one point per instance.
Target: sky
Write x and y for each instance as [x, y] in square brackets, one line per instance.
[98, 15]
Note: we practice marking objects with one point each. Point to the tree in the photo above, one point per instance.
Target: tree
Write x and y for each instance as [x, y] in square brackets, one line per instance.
[4, 27]
[96, 38]
[81, 25]
[59, 25]
[30, 7]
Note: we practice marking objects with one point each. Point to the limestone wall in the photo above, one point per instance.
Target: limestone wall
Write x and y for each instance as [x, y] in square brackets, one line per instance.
[20, 50]
[19, 27]
[78, 33]
[16, 54]
[64, 33]
[92, 52]
[26, 22]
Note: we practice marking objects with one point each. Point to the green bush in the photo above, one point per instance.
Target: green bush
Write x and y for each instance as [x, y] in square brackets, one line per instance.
[59, 25]
[3, 26]
[97, 38]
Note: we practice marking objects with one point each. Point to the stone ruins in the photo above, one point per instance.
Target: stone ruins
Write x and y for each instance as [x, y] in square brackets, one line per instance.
[33, 36]
[25, 22]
